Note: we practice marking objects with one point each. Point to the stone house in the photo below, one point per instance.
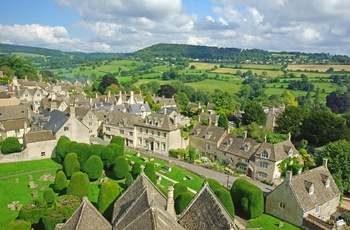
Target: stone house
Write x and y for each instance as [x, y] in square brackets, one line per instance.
[32, 96]
[272, 115]
[90, 119]
[312, 192]
[40, 144]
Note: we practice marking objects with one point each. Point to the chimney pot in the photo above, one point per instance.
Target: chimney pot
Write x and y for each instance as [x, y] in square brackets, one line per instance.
[325, 162]
[288, 176]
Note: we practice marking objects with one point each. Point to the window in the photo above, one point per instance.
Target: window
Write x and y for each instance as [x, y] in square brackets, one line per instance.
[262, 175]
[90, 116]
[66, 128]
[140, 130]
[317, 209]
[146, 143]
[140, 141]
[42, 154]
[131, 133]
[246, 148]
[311, 189]
[121, 131]
[108, 128]
[164, 135]
[163, 146]
[158, 134]
[282, 205]
[108, 136]
[246, 161]
[157, 145]
[146, 131]
[90, 123]
[290, 153]
[26, 95]
[152, 132]
[326, 184]
[38, 95]
[264, 155]
[242, 167]
[224, 153]
[208, 146]
[264, 165]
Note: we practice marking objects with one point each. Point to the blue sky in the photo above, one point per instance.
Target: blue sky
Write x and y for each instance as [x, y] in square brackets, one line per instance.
[129, 25]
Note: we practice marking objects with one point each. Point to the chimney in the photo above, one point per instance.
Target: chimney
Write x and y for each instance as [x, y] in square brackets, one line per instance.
[265, 138]
[175, 120]
[199, 118]
[325, 162]
[131, 100]
[109, 95]
[164, 110]
[245, 134]
[72, 111]
[143, 113]
[96, 95]
[288, 176]
[209, 120]
[25, 127]
[53, 96]
[25, 78]
[170, 202]
[289, 137]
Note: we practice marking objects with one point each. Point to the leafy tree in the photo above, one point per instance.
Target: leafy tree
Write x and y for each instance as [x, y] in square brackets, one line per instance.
[119, 141]
[109, 192]
[338, 104]
[129, 179]
[193, 154]
[289, 100]
[182, 101]
[49, 196]
[108, 156]
[182, 201]
[258, 133]
[68, 202]
[225, 103]
[253, 112]
[78, 185]
[118, 150]
[61, 181]
[290, 164]
[179, 188]
[290, 121]
[11, 145]
[248, 198]
[54, 216]
[18, 224]
[338, 155]
[20, 67]
[167, 91]
[223, 194]
[33, 211]
[223, 121]
[71, 164]
[81, 150]
[150, 173]
[136, 169]
[96, 150]
[60, 149]
[107, 80]
[93, 167]
[121, 167]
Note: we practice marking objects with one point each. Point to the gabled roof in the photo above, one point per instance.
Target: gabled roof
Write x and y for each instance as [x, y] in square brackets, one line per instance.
[15, 124]
[300, 185]
[138, 108]
[214, 131]
[142, 206]
[13, 112]
[39, 136]
[56, 121]
[125, 119]
[235, 145]
[205, 211]
[278, 151]
[164, 101]
[9, 102]
[161, 122]
[86, 217]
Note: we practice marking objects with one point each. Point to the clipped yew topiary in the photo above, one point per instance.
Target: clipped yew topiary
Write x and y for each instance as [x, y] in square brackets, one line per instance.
[71, 164]
[248, 198]
[179, 188]
[182, 201]
[49, 196]
[61, 148]
[109, 192]
[93, 167]
[78, 185]
[121, 167]
[54, 216]
[150, 173]
[96, 150]
[119, 141]
[18, 224]
[118, 150]
[68, 202]
[81, 150]
[136, 169]
[11, 145]
[108, 157]
[33, 211]
[61, 181]
[128, 179]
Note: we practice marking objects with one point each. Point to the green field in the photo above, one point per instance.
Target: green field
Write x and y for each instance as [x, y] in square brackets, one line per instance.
[269, 222]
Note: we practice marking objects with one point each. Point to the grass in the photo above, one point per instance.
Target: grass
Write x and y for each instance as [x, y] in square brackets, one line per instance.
[266, 221]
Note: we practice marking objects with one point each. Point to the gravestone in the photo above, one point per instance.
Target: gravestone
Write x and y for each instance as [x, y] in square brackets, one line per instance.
[16, 180]
[31, 184]
[35, 193]
[44, 187]
[19, 206]
[30, 177]
[138, 154]
[11, 207]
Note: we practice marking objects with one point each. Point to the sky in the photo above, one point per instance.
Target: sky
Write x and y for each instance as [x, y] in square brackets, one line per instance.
[130, 25]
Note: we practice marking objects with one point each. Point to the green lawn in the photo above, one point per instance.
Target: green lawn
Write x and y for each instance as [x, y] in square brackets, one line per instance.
[268, 222]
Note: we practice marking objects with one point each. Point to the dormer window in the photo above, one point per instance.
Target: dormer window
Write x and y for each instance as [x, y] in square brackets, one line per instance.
[290, 152]
[246, 148]
[325, 180]
[207, 136]
[264, 155]
[309, 187]
[195, 133]
[326, 184]
[147, 121]
[229, 141]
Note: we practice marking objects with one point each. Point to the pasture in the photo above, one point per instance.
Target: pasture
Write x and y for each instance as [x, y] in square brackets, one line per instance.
[319, 68]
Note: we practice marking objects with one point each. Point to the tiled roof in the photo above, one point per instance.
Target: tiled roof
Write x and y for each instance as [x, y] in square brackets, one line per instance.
[15, 124]
[138, 108]
[39, 136]
[160, 122]
[209, 132]
[56, 121]
[13, 112]
[164, 101]
[278, 151]
[9, 102]
[236, 146]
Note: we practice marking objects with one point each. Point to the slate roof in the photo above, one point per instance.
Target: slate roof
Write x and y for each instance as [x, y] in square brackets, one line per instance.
[137, 108]
[278, 151]
[56, 121]
[124, 119]
[164, 101]
[13, 112]
[86, 217]
[160, 122]
[168, 110]
[39, 136]
[205, 211]
[235, 146]
[210, 106]
[142, 206]
[9, 102]
[300, 184]
[214, 133]
[205, 116]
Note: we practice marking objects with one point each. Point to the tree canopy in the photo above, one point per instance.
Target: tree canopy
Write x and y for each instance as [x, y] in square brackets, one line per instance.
[253, 112]
[106, 81]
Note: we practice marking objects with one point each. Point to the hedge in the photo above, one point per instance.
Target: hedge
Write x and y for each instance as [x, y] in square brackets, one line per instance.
[121, 167]
[33, 211]
[54, 216]
[71, 164]
[11, 145]
[18, 224]
[49, 196]
[179, 188]
[78, 185]
[182, 201]
[93, 167]
[109, 192]
[119, 141]
[69, 202]
[61, 181]
[136, 169]
[150, 173]
[61, 147]
[248, 198]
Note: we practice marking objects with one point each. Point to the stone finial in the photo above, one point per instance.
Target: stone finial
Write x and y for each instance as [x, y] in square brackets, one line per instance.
[170, 202]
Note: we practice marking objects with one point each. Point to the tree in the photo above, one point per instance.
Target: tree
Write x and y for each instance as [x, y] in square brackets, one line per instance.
[121, 167]
[289, 100]
[338, 155]
[78, 185]
[338, 104]
[223, 195]
[54, 216]
[49, 196]
[93, 167]
[109, 192]
[18, 224]
[136, 169]
[253, 112]
[96, 150]
[167, 91]
[290, 121]
[68, 202]
[182, 201]
[118, 149]
[119, 141]
[248, 198]
[107, 80]
[81, 150]
[150, 173]
[182, 101]
[60, 149]
[33, 211]
[223, 121]
[61, 181]
[71, 164]
[11, 145]
[179, 188]
[129, 179]
[108, 156]
[193, 154]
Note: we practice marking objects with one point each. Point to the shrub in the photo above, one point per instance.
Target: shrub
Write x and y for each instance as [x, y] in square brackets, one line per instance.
[109, 192]
[136, 169]
[150, 173]
[93, 167]
[193, 154]
[78, 185]
[182, 201]
[119, 141]
[118, 150]
[108, 157]
[179, 188]
[128, 179]
[82, 150]
[18, 224]
[33, 211]
[121, 167]
[61, 147]
[11, 145]
[71, 164]
[49, 196]
[178, 153]
[96, 150]
[69, 202]
[248, 198]
[61, 181]
[54, 216]
[223, 195]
